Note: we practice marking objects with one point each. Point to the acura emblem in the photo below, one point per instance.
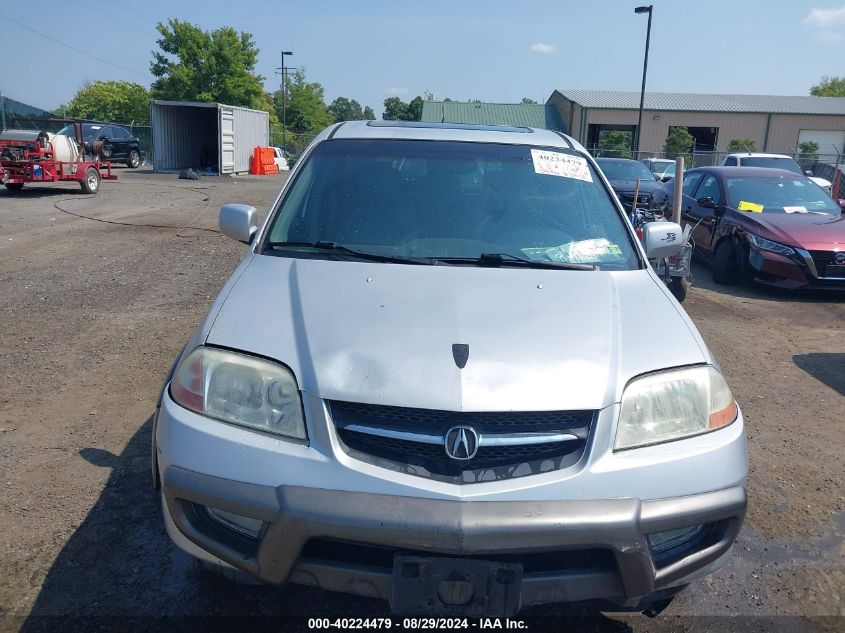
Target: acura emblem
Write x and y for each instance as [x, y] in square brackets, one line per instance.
[839, 258]
[461, 442]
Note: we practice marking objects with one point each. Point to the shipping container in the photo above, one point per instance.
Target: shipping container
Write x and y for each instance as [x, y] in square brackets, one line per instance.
[209, 137]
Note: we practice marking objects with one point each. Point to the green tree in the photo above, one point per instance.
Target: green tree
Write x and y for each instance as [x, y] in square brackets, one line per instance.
[528, 101]
[343, 109]
[304, 108]
[614, 143]
[679, 142]
[394, 109]
[369, 115]
[808, 152]
[829, 87]
[742, 145]
[112, 101]
[198, 65]
[415, 108]
[397, 110]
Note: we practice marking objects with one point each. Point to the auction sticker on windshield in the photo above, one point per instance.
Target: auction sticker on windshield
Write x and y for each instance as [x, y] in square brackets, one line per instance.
[559, 164]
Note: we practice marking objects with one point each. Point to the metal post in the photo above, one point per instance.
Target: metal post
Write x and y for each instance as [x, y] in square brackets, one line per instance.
[2, 112]
[648, 10]
[678, 193]
[283, 86]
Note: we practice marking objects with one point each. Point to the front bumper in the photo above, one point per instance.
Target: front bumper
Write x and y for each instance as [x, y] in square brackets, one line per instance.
[295, 516]
[779, 271]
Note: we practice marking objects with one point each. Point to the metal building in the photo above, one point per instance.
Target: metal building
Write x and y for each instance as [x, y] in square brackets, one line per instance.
[775, 123]
[209, 137]
[514, 114]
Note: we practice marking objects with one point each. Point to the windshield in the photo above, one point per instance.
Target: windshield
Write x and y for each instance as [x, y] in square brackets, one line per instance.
[662, 168]
[443, 199]
[624, 169]
[89, 132]
[779, 195]
[772, 161]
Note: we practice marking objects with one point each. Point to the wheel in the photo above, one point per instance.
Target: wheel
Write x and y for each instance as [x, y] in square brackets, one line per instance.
[105, 152]
[678, 287]
[726, 263]
[134, 159]
[14, 186]
[91, 182]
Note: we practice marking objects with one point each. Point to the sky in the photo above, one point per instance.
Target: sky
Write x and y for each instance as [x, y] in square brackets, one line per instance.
[490, 50]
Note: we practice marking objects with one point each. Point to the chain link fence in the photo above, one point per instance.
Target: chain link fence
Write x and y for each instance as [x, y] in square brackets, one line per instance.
[827, 165]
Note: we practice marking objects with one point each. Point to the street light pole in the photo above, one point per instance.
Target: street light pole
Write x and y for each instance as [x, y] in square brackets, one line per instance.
[284, 100]
[648, 10]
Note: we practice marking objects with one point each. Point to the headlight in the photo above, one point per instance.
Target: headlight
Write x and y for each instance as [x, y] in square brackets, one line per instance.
[772, 247]
[239, 389]
[672, 405]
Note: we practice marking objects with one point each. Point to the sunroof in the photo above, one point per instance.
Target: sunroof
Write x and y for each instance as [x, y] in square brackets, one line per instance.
[449, 126]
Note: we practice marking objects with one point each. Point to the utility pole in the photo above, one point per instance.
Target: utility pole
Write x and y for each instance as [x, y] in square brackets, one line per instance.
[2, 111]
[281, 71]
[648, 10]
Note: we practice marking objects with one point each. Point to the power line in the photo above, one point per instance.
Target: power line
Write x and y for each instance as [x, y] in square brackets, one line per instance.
[73, 48]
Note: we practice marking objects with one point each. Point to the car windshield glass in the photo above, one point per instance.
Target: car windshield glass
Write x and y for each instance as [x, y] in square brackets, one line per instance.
[89, 132]
[772, 161]
[452, 201]
[624, 170]
[779, 195]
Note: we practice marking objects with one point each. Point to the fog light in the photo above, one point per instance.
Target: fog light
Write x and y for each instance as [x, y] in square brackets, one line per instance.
[663, 541]
[243, 525]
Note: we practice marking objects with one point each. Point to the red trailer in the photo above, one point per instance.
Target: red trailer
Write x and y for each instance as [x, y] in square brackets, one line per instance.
[28, 156]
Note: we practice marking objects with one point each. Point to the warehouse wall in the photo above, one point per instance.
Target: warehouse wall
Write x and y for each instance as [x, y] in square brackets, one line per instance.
[731, 125]
[783, 135]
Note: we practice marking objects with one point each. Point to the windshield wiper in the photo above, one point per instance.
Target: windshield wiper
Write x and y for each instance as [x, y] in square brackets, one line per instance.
[506, 259]
[345, 250]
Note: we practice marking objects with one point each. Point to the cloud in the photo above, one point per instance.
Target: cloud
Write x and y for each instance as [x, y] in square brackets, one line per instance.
[828, 37]
[825, 18]
[397, 91]
[542, 48]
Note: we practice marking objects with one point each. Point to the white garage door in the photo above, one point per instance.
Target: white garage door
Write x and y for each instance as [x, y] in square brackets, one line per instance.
[829, 142]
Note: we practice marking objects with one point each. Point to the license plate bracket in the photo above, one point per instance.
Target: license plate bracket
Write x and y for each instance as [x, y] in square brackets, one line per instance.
[455, 587]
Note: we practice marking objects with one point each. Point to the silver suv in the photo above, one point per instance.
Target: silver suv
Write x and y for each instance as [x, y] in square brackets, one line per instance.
[434, 379]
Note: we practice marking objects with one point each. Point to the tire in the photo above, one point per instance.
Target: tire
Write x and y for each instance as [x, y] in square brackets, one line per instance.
[726, 264]
[91, 182]
[14, 186]
[106, 151]
[134, 159]
[678, 287]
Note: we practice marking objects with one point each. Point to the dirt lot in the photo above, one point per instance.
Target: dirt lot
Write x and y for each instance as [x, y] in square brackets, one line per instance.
[92, 314]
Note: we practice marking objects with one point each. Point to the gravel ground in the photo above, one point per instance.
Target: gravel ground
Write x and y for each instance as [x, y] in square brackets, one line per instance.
[92, 314]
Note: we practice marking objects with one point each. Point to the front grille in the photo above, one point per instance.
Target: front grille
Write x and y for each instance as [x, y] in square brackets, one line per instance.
[430, 459]
[627, 199]
[823, 259]
[364, 554]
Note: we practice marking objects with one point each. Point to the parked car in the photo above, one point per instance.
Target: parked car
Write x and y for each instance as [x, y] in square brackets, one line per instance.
[627, 176]
[771, 225]
[281, 159]
[662, 168]
[104, 141]
[775, 161]
[445, 391]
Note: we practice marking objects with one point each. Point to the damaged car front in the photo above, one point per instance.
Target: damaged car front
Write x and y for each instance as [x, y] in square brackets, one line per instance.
[428, 381]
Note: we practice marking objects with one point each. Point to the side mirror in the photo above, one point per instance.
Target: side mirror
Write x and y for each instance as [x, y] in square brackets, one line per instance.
[238, 221]
[808, 172]
[706, 203]
[662, 239]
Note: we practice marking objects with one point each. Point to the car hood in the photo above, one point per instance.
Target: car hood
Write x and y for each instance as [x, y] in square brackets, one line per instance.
[646, 186]
[383, 333]
[809, 230]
